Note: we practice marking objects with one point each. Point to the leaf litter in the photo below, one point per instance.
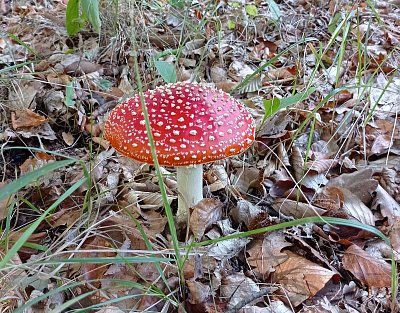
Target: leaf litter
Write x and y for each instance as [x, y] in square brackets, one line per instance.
[334, 153]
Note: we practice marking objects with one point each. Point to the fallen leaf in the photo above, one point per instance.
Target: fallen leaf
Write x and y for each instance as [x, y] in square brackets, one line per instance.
[388, 206]
[300, 278]
[204, 214]
[68, 138]
[237, 287]
[265, 254]
[198, 292]
[296, 209]
[368, 270]
[93, 270]
[26, 118]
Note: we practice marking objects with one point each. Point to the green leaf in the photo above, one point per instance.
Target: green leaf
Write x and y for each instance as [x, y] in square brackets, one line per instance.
[334, 23]
[72, 18]
[166, 70]
[103, 84]
[90, 8]
[179, 4]
[21, 182]
[276, 13]
[272, 106]
[251, 9]
[69, 95]
[231, 24]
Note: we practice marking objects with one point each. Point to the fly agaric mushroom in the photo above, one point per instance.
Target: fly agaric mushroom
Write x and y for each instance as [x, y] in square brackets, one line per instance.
[192, 124]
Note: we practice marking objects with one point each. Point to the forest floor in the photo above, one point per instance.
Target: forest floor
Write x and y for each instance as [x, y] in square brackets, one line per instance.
[306, 220]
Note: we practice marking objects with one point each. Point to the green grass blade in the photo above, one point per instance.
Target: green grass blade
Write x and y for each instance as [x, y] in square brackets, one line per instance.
[30, 303]
[21, 182]
[29, 231]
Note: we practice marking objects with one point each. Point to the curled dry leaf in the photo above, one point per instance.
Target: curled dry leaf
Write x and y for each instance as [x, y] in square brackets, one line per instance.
[320, 166]
[26, 118]
[295, 208]
[354, 207]
[368, 270]
[265, 253]
[388, 206]
[300, 278]
[204, 214]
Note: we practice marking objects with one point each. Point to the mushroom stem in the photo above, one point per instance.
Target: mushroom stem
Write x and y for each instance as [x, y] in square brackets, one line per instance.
[190, 190]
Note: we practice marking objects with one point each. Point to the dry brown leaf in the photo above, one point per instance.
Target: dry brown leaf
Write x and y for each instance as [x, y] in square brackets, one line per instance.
[388, 206]
[102, 142]
[26, 118]
[300, 277]
[204, 214]
[237, 287]
[354, 207]
[24, 92]
[68, 138]
[91, 270]
[199, 293]
[40, 159]
[245, 212]
[295, 208]
[321, 166]
[368, 270]
[330, 198]
[360, 183]
[265, 253]
[81, 67]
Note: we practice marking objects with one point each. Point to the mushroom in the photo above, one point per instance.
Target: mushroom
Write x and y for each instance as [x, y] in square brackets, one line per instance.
[192, 124]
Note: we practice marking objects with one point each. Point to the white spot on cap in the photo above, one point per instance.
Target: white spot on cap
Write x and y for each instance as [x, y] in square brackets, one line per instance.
[183, 146]
[176, 132]
[211, 138]
[193, 132]
[160, 123]
[142, 122]
[181, 119]
[209, 127]
[157, 135]
[172, 140]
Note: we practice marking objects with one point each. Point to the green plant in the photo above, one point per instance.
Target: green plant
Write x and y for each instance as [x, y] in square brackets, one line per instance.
[79, 12]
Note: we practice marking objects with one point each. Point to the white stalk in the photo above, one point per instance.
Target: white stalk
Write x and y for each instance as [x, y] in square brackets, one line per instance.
[190, 190]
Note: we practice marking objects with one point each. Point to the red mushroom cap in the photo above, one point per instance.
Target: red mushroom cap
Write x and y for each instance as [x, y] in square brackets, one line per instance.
[191, 124]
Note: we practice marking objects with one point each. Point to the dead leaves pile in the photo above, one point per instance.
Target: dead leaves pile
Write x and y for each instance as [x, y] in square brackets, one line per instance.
[333, 158]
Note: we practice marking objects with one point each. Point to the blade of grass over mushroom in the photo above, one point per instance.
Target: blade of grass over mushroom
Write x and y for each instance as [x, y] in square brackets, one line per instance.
[168, 210]
[29, 231]
[250, 77]
[21, 182]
